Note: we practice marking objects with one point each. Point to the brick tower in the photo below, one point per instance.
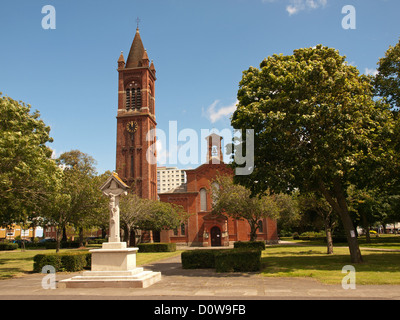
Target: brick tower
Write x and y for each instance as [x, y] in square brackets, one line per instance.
[136, 122]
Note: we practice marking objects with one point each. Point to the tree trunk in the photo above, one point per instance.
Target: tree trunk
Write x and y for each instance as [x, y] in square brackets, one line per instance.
[64, 234]
[253, 230]
[58, 239]
[329, 241]
[328, 231]
[81, 237]
[340, 207]
[366, 228]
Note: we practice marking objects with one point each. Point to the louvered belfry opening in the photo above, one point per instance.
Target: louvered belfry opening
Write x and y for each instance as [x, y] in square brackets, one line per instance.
[133, 99]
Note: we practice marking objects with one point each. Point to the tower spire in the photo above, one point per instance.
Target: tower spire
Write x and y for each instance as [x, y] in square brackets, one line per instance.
[136, 53]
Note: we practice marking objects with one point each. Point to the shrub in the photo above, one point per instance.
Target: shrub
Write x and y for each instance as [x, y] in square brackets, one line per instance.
[5, 246]
[96, 241]
[198, 259]
[238, 260]
[41, 260]
[73, 262]
[157, 247]
[249, 245]
[70, 262]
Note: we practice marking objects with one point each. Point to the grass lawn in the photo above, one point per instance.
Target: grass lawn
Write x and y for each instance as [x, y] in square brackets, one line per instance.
[17, 263]
[313, 262]
[385, 241]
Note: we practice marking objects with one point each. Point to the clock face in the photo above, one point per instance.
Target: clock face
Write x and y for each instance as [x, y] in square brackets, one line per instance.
[132, 127]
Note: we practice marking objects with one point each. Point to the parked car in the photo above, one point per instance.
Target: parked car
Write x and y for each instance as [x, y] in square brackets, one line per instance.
[47, 240]
[23, 240]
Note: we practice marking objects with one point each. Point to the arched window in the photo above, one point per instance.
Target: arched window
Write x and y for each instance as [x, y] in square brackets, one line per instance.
[260, 226]
[203, 200]
[128, 98]
[214, 190]
[183, 229]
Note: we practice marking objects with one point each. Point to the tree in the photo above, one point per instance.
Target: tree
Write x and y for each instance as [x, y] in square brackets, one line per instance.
[289, 210]
[387, 80]
[237, 202]
[76, 197]
[317, 203]
[316, 127]
[28, 175]
[387, 86]
[99, 216]
[139, 214]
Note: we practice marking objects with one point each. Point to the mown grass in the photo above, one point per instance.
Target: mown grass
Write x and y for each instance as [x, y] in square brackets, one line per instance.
[18, 263]
[310, 261]
[385, 241]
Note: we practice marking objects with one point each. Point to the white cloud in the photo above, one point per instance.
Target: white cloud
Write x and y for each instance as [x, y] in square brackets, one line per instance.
[296, 6]
[214, 114]
[372, 72]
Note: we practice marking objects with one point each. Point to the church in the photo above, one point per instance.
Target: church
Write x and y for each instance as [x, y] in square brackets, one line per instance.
[136, 127]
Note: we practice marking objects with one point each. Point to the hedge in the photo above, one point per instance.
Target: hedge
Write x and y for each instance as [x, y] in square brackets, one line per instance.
[198, 259]
[249, 245]
[5, 246]
[69, 262]
[223, 260]
[157, 247]
[238, 260]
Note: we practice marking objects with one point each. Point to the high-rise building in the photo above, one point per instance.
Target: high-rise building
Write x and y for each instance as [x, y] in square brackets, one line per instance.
[169, 179]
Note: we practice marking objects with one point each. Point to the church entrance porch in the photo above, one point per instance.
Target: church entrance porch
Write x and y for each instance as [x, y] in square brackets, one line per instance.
[215, 231]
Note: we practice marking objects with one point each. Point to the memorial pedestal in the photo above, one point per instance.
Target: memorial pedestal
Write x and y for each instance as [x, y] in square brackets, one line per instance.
[113, 266]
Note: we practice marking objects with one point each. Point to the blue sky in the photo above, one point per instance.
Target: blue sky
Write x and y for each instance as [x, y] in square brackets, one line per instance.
[199, 48]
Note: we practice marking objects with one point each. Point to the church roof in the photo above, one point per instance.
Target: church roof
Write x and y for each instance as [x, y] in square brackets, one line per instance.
[137, 52]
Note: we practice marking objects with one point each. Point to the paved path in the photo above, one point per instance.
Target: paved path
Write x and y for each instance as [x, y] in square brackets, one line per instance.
[179, 284]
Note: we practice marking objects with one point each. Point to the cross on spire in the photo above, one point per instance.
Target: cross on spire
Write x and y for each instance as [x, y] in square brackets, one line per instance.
[138, 22]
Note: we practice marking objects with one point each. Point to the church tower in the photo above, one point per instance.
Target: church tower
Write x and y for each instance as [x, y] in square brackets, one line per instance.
[136, 121]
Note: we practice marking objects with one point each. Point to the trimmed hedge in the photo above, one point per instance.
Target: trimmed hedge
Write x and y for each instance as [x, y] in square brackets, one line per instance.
[157, 247]
[249, 245]
[69, 262]
[198, 259]
[238, 260]
[5, 246]
[223, 260]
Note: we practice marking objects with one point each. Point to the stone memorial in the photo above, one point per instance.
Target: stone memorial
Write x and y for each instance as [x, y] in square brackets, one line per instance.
[114, 265]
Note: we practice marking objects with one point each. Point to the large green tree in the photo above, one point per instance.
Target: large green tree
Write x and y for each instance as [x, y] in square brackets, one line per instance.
[316, 127]
[28, 175]
[77, 197]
